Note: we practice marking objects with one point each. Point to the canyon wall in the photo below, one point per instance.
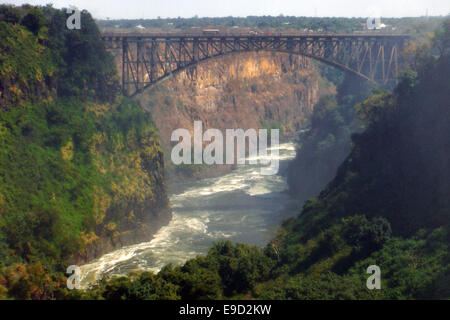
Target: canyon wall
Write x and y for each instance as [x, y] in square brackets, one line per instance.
[130, 201]
[246, 90]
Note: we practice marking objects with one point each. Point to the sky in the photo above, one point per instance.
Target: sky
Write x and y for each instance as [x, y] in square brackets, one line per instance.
[148, 9]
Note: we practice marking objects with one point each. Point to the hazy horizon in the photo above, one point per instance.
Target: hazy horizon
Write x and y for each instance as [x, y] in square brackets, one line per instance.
[151, 9]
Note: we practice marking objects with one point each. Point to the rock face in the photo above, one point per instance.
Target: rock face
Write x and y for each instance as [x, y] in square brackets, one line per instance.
[247, 90]
[240, 91]
[156, 219]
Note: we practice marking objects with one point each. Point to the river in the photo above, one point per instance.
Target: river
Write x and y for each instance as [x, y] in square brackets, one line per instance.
[241, 206]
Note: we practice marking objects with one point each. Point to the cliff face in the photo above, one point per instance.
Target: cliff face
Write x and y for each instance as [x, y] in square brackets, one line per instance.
[80, 178]
[328, 142]
[248, 90]
[130, 201]
[80, 174]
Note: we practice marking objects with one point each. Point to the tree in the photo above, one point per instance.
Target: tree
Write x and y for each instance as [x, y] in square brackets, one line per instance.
[34, 20]
[9, 14]
[441, 38]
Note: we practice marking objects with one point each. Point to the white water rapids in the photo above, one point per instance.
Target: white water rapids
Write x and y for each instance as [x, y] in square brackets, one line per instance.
[242, 206]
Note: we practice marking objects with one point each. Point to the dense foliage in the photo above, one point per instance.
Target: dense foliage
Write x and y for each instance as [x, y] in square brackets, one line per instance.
[77, 162]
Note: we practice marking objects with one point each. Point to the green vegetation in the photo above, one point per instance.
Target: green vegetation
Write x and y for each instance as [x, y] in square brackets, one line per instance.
[227, 271]
[78, 164]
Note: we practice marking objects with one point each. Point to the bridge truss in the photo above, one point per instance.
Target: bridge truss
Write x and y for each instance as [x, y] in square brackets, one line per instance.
[149, 58]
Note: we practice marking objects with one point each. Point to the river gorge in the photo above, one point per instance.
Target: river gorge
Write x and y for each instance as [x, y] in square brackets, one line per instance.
[241, 206]
[245, 91]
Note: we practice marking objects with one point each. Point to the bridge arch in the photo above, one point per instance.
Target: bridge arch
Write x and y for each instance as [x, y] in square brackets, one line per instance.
[187, 67]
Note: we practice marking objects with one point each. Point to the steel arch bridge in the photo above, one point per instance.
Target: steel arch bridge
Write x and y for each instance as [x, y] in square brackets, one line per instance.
[150, 58]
